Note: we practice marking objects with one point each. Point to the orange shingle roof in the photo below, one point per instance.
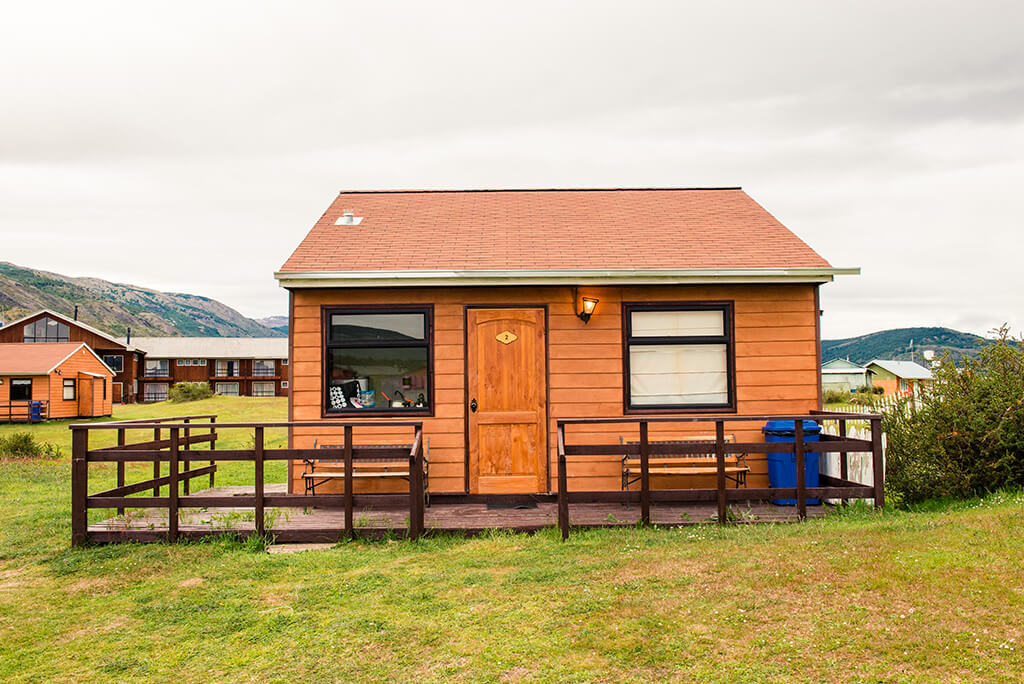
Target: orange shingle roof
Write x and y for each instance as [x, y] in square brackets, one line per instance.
[550, 229]
[17, 358]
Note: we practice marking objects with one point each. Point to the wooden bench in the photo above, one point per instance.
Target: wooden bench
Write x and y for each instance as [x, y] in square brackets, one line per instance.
[736, 468]
[321, 470]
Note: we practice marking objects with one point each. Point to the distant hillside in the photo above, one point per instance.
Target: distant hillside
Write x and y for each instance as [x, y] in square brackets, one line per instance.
[115, 307]
[275, 322]
[896, 344]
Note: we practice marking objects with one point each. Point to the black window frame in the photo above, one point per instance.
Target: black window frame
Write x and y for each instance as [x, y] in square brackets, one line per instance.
[728, 339]
[34, 339]
[74, 389]
[21, 383]
[427, 310]
[114, 356]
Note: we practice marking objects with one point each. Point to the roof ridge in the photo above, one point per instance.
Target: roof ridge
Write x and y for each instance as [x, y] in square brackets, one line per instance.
[611, 189]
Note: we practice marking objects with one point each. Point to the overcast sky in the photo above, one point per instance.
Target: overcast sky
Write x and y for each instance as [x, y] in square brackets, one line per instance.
[190, 146]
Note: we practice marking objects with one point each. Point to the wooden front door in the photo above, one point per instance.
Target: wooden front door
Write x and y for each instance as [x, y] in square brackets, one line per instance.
[506, 379]
[85, 393]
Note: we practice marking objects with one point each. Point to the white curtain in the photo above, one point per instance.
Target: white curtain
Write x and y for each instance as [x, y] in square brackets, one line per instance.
[677, 323]
[678, 374]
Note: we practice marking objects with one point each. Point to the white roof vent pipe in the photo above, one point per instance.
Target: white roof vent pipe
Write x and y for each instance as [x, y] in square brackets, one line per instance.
[348, 218]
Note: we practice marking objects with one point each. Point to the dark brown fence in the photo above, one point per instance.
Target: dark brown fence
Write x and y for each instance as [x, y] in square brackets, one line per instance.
[831, 487]
[21, 411]
[176, 449]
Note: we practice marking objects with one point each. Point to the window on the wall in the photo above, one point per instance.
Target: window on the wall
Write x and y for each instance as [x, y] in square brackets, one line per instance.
[228, 368]
[115, 362]
[157, 368]
[679, 357]
[263, 368]
[69, 389]
[262, 389]
[227, 389]
[21, 389]
[155, 391]
[46, 329]
[377, 360]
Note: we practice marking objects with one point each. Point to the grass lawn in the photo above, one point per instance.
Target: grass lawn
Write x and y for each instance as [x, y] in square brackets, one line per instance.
[930, 595]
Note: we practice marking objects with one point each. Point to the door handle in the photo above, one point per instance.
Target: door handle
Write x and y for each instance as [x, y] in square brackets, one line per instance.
[472, 406]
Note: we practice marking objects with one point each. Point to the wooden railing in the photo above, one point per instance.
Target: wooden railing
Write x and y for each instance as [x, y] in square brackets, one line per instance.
[176, 450]
[834, 488]
[21, 411]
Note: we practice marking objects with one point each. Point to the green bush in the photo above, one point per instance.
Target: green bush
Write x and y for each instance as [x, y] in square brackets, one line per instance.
[24, 445]
[967, 435]
[878, 390]
[833, 396]
[189, 391]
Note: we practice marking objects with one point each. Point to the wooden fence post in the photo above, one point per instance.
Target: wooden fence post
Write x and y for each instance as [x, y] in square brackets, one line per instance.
[844, 465]
[645, 475]
[416, 486]
[723, 508]
[156, 463]
[877, 463]
[120, 464]
[172, 488]
[79, 486]
[801, 475]
[349, 527]
[185, 462]
[563, 494]
[213, 445]
[258, 456]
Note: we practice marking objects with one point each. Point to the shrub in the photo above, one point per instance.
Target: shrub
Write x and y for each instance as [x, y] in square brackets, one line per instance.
[967, 435]
[834, 396]
[878, 390]
[24, 445]
[189, 391]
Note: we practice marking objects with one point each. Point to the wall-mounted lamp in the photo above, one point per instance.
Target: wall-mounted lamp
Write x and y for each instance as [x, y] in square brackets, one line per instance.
[588, 304]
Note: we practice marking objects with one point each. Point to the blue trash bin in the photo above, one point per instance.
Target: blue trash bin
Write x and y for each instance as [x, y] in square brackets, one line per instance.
[35, 409]
[782, 465]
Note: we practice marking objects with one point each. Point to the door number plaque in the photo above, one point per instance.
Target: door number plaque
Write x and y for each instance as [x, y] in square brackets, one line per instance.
[506, 337]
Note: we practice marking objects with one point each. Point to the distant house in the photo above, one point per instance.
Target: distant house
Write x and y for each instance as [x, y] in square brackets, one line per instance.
[843, 375]
[233, 366]
[47, 326]
[53, 380]
[899, 377]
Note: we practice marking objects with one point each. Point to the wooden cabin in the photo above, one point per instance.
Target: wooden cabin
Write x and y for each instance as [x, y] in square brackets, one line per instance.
[488, 315]
[899, 378]
[121, 356]
[61, 380]
[233, 366]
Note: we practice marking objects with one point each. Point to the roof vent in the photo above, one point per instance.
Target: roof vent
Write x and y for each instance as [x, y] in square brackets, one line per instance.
[349, 219]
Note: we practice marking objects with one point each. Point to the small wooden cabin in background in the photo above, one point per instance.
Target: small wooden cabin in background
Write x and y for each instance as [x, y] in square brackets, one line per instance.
[233, 366]
[843, 375]
[899, 377]
[43, 327]
[489, 315]
[63, 380]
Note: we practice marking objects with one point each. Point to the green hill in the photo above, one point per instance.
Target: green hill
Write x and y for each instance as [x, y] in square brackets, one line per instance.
[115, 307]
[899, 343]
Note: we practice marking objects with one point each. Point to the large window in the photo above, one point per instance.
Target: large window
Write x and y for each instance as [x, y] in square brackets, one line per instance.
[46, 330]
[227, 389]
[263, 389]
[678, 357]
[21, 389]
[115, 362]
[377, 360]
[155, 391]
[263, 368]
[228, 369]
[157, 368]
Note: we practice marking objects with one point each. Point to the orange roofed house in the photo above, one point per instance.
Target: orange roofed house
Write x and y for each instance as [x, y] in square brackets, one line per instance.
[489, 315]
[53, 380]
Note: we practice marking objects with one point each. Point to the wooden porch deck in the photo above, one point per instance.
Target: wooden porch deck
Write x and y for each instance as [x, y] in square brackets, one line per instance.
[328, 525]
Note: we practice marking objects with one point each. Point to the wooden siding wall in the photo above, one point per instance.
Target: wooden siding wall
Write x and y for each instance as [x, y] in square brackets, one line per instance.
[40, 387]
[776, 368]
[207, 373]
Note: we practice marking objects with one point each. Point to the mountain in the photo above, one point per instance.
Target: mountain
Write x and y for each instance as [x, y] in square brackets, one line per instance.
[896, 344]
[275, 322]
[115, 307]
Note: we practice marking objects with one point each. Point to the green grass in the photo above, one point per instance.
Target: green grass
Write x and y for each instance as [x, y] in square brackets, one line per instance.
[931, 594]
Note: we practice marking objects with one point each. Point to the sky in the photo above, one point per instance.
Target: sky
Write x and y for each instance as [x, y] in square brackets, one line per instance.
[189, 147]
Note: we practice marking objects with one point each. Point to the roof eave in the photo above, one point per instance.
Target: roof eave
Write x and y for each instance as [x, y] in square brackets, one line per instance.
[467, 278]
